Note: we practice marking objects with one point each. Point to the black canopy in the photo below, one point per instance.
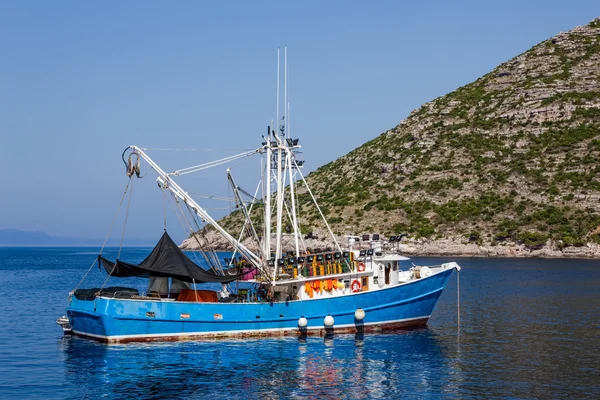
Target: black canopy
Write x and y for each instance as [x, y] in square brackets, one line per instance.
[166, 260]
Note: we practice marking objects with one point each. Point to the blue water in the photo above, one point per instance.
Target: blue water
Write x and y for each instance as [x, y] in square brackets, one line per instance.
[529, 329]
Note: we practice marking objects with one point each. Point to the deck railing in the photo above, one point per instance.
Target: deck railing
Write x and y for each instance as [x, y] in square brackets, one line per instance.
[314, 270]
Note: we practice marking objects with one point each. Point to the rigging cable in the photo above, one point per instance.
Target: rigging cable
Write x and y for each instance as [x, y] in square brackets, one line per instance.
[319, 209]
[175, 210]
[159, 149]
[195, 290]
[121, 244]
[164, 208]
[296, 228]
[201, 248]
[215, 263]
[213, 260]
[181, 217]
[126, 218]
[107, 235]
[299, 231]
[240, 237]
[214, 163]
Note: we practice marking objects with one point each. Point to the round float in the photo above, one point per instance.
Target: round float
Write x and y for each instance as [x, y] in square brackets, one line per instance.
[359, 314]
[328, 321]
[302, 322]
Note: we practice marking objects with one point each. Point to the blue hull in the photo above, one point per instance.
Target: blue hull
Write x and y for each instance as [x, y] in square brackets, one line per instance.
[122, 320]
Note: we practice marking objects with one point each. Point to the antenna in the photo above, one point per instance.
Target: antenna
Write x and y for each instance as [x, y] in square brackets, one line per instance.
[285, 91]
[278, 90]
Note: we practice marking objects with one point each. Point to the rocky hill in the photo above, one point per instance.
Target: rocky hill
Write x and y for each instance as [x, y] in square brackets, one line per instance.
[506, 165]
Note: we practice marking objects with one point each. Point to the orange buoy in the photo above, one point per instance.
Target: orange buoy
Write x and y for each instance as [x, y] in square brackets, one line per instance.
[308, 289]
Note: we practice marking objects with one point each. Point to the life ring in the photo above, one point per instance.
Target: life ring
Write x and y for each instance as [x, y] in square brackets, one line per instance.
[355, 286]
[361, 267]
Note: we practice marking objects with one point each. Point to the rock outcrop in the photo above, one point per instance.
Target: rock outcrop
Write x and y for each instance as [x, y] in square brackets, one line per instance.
[421, 247]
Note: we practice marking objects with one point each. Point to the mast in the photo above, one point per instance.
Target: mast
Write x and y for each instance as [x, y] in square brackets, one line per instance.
[267, 242]
[279, 196]
[281, 163]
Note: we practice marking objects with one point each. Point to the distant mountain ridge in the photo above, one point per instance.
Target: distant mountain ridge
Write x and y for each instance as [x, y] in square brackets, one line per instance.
[16, 237]
[509, 161]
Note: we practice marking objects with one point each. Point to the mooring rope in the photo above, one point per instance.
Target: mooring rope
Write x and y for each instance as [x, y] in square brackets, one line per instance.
[458, 298]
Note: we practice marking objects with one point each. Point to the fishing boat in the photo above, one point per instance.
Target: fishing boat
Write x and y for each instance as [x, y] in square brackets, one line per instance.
[264, 287]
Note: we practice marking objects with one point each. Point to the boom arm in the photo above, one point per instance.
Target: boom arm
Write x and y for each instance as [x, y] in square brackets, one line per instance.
[167, 182]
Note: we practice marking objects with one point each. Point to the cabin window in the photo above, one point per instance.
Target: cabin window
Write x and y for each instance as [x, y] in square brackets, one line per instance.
[395, 266]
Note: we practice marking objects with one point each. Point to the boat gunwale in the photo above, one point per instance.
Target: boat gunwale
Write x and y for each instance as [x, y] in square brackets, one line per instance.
[378, 290]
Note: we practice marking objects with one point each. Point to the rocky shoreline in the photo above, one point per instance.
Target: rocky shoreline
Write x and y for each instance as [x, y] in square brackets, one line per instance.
[446, 247]
[423, 247]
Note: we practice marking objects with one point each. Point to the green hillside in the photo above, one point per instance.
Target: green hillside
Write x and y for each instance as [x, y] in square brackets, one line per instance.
[509, 158]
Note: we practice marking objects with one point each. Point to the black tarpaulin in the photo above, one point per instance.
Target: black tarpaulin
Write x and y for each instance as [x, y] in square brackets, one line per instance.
[166, 260]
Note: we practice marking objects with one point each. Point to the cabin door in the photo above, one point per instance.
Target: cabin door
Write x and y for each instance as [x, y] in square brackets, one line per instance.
[388, 268]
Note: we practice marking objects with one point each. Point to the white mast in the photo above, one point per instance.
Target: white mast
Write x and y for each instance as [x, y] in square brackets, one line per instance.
[268, 208]
[280, 162]
[279, 197]
[268, 199]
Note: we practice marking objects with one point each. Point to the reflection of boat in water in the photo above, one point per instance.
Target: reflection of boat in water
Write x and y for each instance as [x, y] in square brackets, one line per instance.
[293, 291]
[384, 367]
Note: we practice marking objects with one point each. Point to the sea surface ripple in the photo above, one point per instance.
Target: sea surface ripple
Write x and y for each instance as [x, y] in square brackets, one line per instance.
[528, 329]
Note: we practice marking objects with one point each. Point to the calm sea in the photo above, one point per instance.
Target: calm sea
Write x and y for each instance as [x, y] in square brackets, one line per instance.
[529, 329]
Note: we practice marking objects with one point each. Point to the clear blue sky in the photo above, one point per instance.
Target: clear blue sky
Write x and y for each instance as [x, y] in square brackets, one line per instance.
[79, 81]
